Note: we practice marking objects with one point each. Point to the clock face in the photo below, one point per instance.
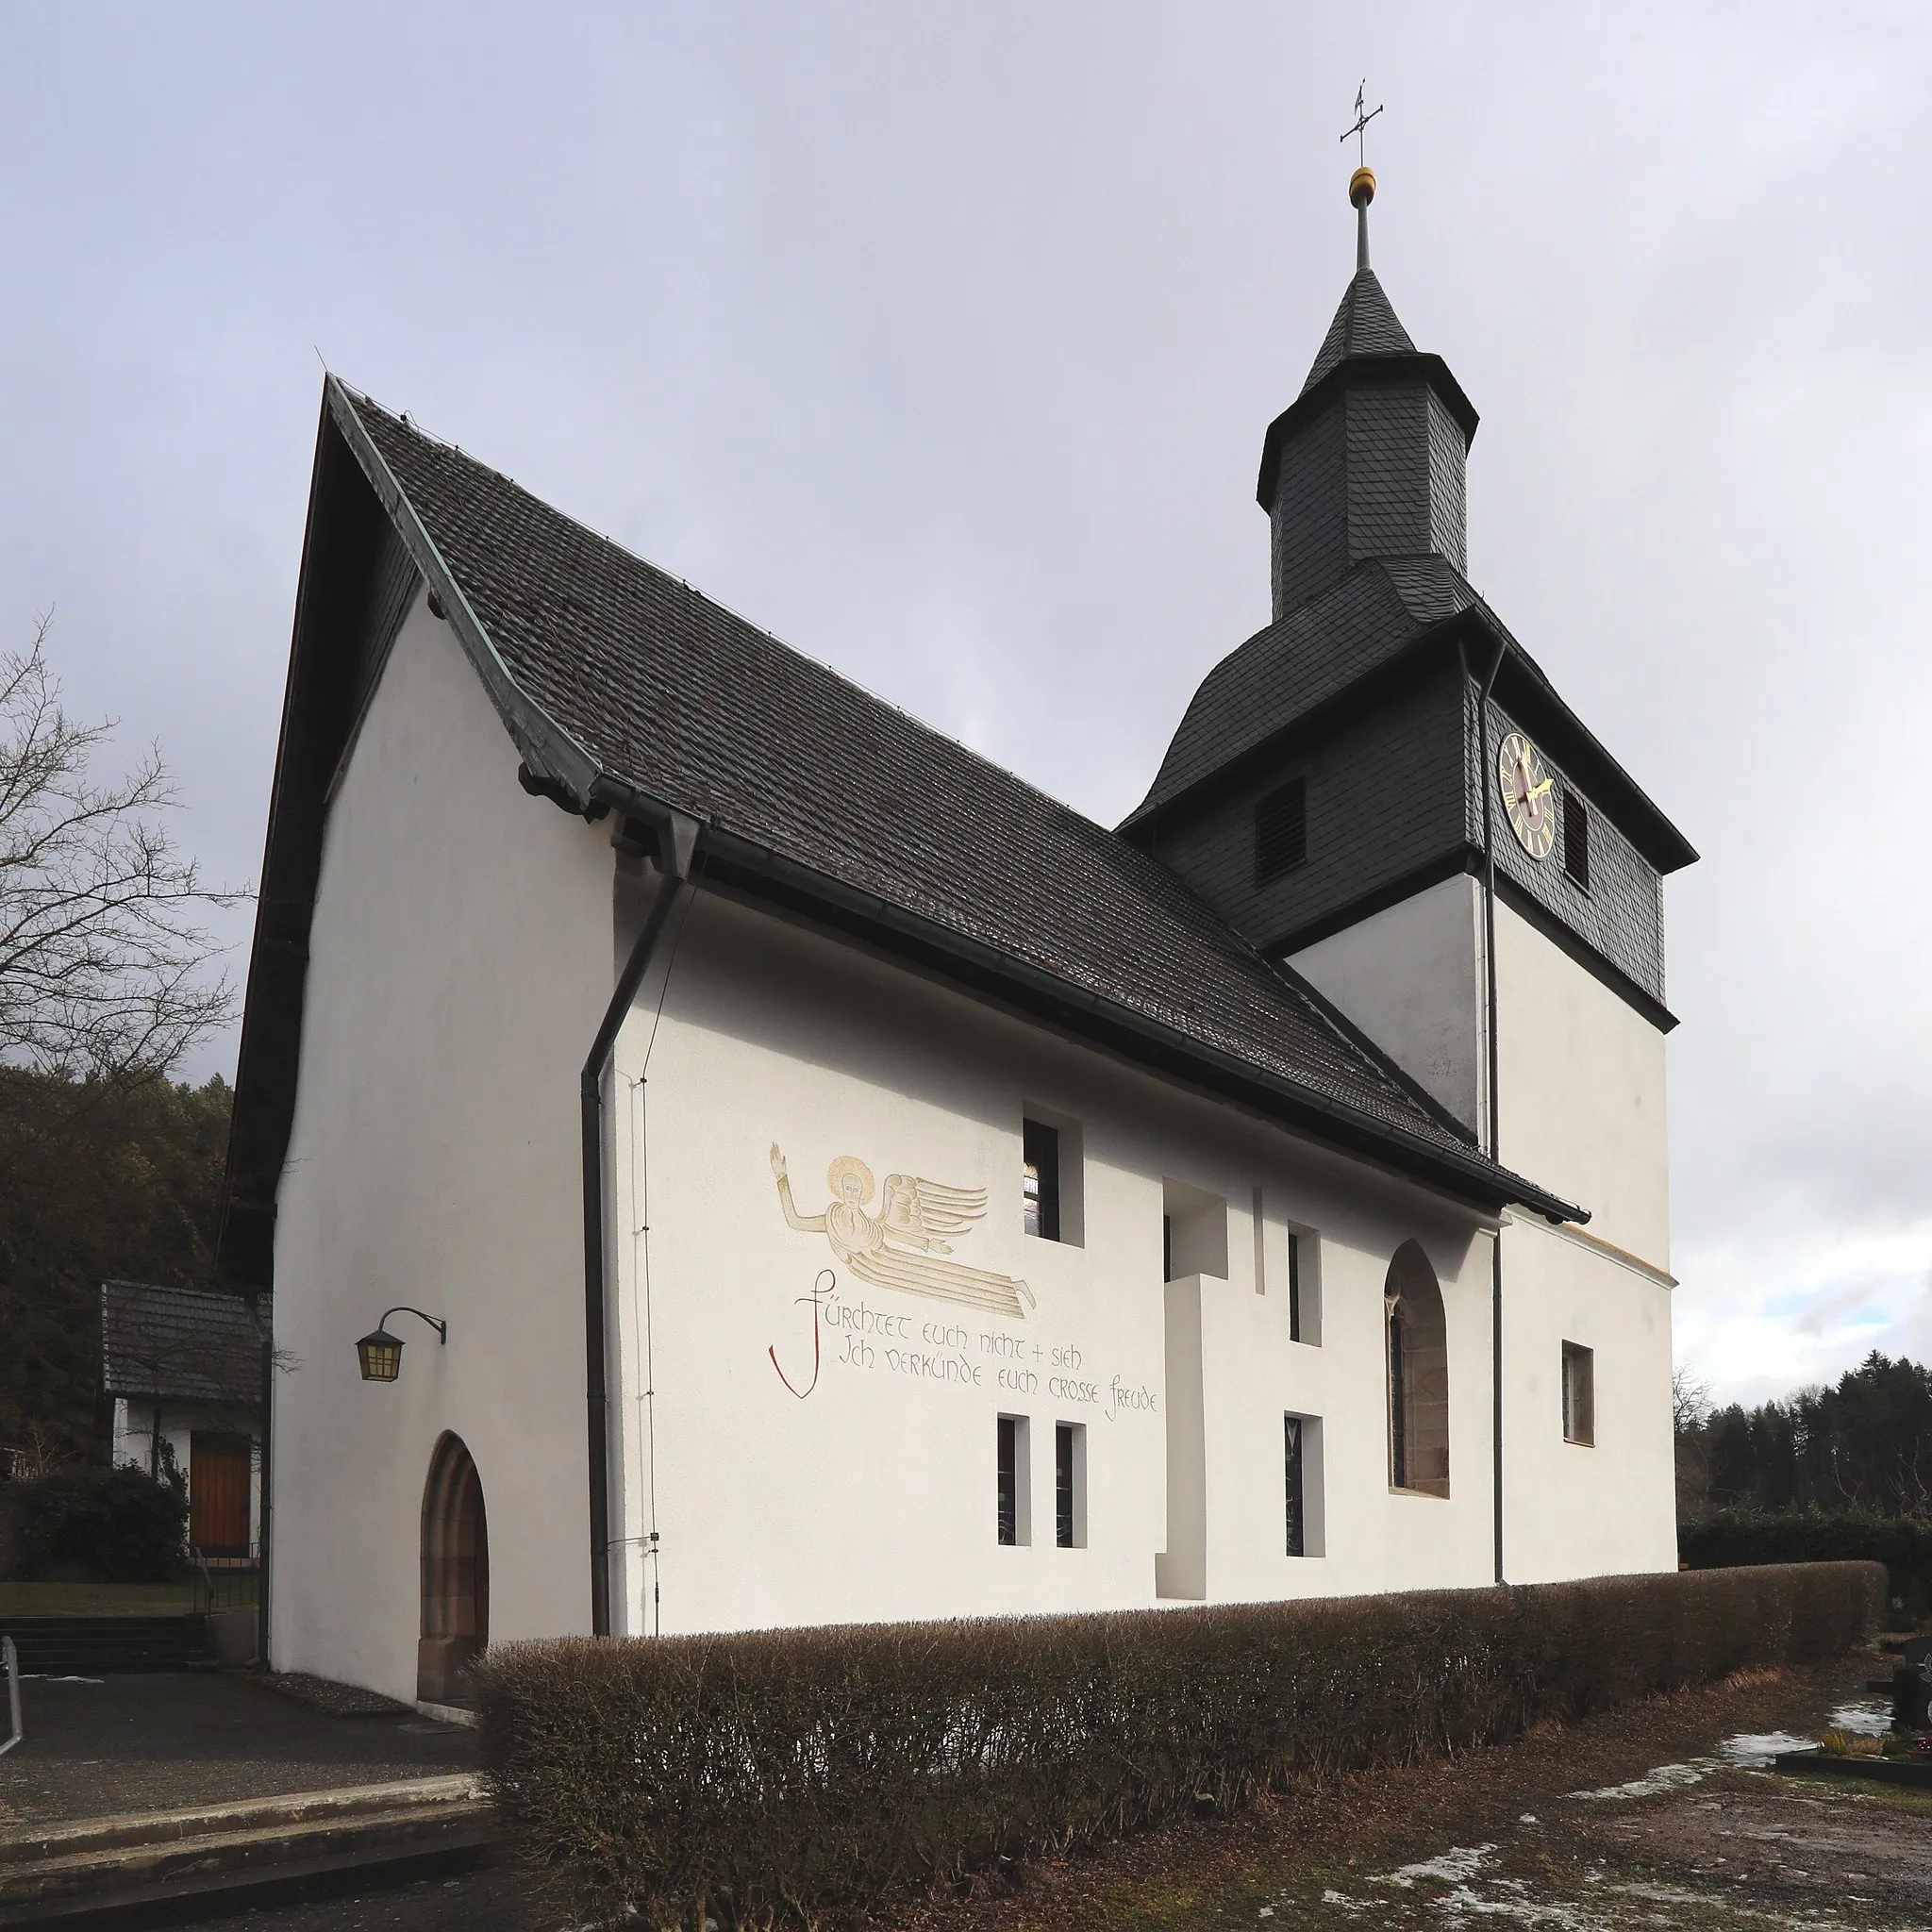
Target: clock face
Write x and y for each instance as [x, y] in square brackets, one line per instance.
[1528, 794]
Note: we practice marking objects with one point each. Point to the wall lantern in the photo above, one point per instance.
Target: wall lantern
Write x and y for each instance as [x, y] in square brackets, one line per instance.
[381, 1353]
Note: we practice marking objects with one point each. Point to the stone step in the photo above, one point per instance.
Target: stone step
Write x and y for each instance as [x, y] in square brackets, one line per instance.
[105, 1865]
[108, 1646]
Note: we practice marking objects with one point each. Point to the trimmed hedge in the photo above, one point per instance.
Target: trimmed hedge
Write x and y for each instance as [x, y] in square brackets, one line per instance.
[1902, 1543]
[795, 1774]
[121, 1525]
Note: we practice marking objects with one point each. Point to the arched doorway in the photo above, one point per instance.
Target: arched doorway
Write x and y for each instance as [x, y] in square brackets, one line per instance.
[455, 1575]
[1418, 1352]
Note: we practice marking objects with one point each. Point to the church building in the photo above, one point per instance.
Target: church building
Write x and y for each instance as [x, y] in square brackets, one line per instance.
[724, 1154]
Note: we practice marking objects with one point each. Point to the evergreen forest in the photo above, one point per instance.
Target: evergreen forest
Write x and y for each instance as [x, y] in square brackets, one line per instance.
[1862, 1444]
[100, 1180]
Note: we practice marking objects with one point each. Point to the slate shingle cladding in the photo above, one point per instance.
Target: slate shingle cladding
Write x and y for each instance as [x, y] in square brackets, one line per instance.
[1365, 323]
[1386, 794]
[1622, 915]
[1366, 682]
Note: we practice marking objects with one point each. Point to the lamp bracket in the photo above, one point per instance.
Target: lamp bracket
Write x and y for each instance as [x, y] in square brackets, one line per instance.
[403, 1308]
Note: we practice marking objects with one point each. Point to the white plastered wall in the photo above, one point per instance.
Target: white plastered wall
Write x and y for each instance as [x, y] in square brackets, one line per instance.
[1412, 977]
[1580, 1083]
[133, 1438]
[459, 961]
[872, 1495]
[1609, 1507]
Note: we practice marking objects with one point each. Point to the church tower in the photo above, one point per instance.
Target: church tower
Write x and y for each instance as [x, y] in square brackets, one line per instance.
[1384, 792]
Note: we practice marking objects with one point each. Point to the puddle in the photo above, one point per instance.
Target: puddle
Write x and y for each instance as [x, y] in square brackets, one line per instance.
[1757, 1750]
[1869, 1717]
[1750, 1750]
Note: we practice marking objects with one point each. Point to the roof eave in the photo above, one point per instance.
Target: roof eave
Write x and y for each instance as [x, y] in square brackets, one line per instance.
[555, 758]
[1468, 1178]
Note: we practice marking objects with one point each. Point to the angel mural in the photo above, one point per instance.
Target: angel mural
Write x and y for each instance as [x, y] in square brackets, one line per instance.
[903, 1245]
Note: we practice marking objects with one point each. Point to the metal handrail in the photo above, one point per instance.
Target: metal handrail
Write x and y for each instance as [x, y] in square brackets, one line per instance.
[11, 1658]
[209, 1594]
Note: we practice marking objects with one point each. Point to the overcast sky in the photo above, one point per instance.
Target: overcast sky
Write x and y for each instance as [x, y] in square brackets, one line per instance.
[939, 340]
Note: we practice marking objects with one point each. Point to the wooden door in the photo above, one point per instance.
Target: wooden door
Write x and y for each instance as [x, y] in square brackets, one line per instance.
[218, 1473]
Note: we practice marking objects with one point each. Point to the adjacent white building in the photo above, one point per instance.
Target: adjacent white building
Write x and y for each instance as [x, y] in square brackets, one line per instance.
[184, 1369]
[949, 1205]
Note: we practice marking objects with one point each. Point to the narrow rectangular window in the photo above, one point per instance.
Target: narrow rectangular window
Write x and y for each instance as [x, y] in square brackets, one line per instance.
[1297, 1494]
[1294, 1286]
[1576, 839]
[1398, 1406]
[1041, 1178]
[1281, 830]
[1070, 1485]
[1579, 1395]
[1167, 1247]
[1015, 1483]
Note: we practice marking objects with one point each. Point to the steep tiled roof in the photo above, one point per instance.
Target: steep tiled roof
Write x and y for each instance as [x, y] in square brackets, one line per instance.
[182, 1343]
[695, 707]
[1365, 324]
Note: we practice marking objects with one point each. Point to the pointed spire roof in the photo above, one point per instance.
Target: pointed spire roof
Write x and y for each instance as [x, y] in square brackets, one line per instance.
[1365, 324]
[1366, 345]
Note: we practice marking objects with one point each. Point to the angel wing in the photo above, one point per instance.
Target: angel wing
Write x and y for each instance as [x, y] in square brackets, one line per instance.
[922, 1213]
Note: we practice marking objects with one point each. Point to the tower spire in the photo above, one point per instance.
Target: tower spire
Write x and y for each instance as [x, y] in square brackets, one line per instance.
[1362, 184]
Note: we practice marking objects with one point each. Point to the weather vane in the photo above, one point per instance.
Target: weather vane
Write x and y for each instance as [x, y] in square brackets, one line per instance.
[1362, 121]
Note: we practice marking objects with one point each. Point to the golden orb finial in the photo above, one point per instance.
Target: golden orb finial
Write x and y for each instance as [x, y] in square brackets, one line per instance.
[1362, 187]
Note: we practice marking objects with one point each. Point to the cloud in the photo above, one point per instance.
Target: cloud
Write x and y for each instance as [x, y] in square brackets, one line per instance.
[941, 340]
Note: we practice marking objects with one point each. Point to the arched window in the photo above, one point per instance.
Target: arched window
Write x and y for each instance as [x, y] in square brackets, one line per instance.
[1418, 1354]
[455, 1575]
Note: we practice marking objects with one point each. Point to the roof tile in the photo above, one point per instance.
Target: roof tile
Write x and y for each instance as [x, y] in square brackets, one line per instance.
[693, 706]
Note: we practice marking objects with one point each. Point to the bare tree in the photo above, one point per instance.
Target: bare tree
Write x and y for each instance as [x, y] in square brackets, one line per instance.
[1690, 1402]
[103, 969]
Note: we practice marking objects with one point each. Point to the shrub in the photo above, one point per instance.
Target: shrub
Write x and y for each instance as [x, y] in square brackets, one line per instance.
[1902, 1543]
[121, 1525]
[796, 1774]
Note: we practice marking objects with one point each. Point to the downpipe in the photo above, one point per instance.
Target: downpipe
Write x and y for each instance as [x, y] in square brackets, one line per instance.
[1482, 729]
[677, 845]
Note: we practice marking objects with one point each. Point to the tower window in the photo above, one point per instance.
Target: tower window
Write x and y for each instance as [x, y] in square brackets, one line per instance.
[1040, 1180]
[1576, 839]
[1281, 831]
[1070, 1485]
[1579, 1393]
[1294, 1289]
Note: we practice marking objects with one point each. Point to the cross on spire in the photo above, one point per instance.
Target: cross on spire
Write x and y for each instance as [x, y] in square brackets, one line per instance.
[1362, 185]
[1361, 122]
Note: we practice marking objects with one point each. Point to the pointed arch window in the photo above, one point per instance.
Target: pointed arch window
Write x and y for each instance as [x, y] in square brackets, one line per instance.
[1418, 1374]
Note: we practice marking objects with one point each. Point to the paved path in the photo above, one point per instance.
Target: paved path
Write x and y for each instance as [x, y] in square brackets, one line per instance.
[477, 1902]
[150, 1744]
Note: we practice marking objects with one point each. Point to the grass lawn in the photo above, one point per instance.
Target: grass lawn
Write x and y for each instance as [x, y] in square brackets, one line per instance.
[112, 1599]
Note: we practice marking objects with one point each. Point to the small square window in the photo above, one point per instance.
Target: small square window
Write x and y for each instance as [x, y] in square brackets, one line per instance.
[1070, 1485]
[1281, 830]
[1579, 1395]
[1576, 841]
